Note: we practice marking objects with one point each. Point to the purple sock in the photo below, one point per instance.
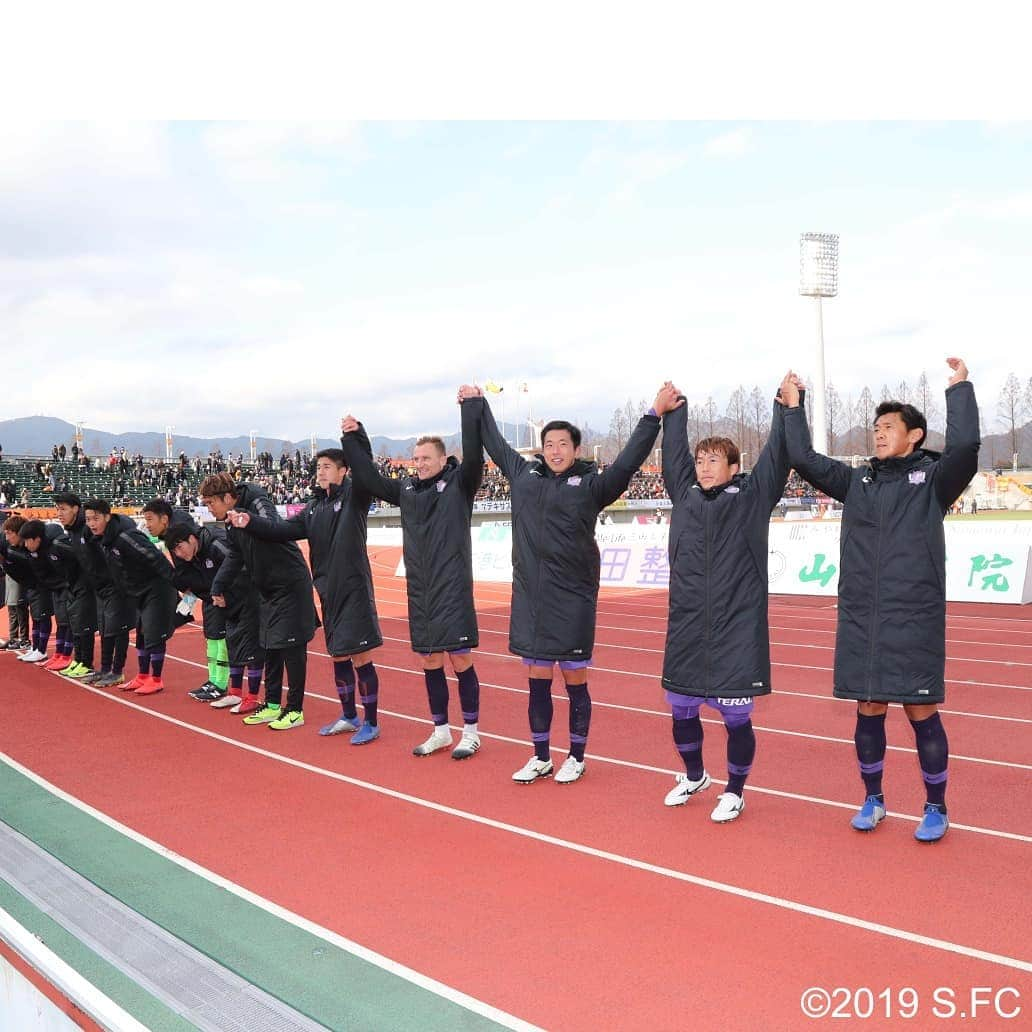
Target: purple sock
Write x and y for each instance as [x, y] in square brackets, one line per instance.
[933, 754]
[869, 739]
[344, 680]
[369, 689]
[540, 713]
[469, 695]
[254, 679]
[688, 740]
[741, 750]
[157, 661]
[236, 679]
[580, 718]
[437, 693]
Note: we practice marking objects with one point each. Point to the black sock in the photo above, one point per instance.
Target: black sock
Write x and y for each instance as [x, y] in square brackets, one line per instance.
[157, 661]
[236, 679]
[254, 679]
[540, 713]
[469, 695]
[933, 753]
[369, 690]
[84, 652]
[121, 651]
[869, 739]
[688, 739]
[437, 693]
[580, 718]
[107, 653]
[741, 750]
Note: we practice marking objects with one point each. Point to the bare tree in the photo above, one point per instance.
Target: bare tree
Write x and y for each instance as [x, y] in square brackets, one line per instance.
[903, 392]
[849, 425]
[618, 428]
[832, 414]
[886, 394]
[695, 422]
[737, 412]
[709, 415]
[759, 419]
[924, 399]
[865, 415]
[1010, 408]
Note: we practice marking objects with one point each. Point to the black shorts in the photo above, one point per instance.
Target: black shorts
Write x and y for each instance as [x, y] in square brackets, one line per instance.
[155, 614]
[214, 621]
[60, 596]
[82, 611]
[41, 603]
[242, 636]
[116, 612]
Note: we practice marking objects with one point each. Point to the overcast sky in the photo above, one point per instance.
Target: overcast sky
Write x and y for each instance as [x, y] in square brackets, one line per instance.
[272, 276]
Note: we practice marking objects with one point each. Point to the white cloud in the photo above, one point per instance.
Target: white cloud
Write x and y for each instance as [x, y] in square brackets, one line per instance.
[729, 145]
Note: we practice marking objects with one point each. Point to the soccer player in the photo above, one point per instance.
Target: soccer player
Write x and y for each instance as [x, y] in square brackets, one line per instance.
[717, 643]
[198, 554]
[39, 540]
[278, 571]
[334, 522]
[556, 499]
[890, 645]
[80, 595]
[146, 577]
[159, 517]
[116, 611]
[436, 510]
[18, 567]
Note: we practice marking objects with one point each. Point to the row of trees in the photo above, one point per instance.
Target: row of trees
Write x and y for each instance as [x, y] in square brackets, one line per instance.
[746, 419]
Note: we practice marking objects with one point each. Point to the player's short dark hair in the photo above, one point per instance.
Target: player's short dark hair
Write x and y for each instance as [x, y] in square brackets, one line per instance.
[720, 446]
[218, 484]
[32, 529]
[98, 505]
[433, 439]
[335, 455]
[14, 523]
[913, 418]
[177, 534]
[561, 424]
[68, 498]
[159, 507]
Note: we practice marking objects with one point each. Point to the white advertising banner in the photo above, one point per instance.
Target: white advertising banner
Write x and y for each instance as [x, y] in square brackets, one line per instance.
[987, 561]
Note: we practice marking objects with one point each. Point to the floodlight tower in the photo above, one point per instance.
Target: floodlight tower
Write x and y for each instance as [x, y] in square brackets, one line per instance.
[818, 278]
[169, 441]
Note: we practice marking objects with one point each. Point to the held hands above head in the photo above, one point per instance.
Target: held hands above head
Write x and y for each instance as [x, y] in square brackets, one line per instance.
[668, 398]
[238, 519]
[348, 425]
[788, 392]
[469, 391]
[960, 371]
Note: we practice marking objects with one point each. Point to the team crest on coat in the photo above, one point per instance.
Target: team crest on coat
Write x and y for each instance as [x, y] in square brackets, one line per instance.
[573, 481]
[208, 564]
[917, 476]
[441, 485]
[733, 489]
[337, 504]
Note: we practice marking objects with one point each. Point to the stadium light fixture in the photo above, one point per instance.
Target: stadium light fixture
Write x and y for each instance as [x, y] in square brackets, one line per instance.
[818, 278]
[253, 441]
[169, 441]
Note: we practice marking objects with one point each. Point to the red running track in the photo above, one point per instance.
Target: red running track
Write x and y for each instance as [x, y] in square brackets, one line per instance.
[591, 906]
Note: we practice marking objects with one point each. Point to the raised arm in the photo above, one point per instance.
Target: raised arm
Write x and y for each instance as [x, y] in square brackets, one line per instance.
[959, 462]
[770, 474]
[827, 475]
[507, 459]
[471, 469]
[613, 482]
[678, 461]
[359, 455]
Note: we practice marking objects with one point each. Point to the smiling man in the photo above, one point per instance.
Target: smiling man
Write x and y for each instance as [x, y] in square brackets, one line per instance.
[556, 499]
[890, 644]
[717, 649]
[436, 510]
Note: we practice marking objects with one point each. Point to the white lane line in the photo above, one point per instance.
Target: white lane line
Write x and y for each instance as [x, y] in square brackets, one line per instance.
[422, 719]
[726, 888]
[349, 946]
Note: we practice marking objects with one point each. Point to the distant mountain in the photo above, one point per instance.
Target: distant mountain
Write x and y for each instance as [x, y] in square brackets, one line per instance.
[37, 435]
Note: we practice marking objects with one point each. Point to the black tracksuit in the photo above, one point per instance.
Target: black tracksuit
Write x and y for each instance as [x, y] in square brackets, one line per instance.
[890, 645]
[435, 520]
[555, 560]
